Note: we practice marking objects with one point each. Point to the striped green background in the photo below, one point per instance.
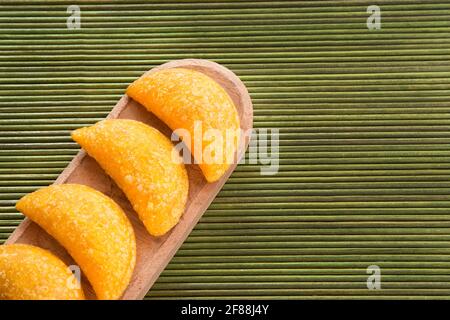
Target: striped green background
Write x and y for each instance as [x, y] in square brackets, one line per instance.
[364, 125]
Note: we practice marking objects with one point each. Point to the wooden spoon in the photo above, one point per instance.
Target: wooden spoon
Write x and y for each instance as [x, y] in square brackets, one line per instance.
[153, 254]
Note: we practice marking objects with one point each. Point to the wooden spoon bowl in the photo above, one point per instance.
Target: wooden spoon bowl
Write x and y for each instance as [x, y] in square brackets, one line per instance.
[153, 254]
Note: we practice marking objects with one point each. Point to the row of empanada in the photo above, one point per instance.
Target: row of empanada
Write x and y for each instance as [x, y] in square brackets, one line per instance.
[143, 163]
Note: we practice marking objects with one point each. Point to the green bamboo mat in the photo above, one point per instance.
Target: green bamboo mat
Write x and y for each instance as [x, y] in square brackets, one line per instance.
[364, 134]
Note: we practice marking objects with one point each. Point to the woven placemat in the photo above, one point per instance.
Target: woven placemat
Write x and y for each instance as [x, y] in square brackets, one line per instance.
[363, 117]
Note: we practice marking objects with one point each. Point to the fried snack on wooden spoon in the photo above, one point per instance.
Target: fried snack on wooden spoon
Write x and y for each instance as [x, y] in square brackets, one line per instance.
[190, 100]
[93, 229]
[31, 273]
[142, 162]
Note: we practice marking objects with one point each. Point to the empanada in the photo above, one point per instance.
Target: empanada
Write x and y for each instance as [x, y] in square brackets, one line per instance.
[191, 101]
[142, 162]
[31, 273]
[93, 229]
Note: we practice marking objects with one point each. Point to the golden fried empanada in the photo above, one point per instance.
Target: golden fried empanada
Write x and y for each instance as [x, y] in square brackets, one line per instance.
[190, 100]
[94, 230]
[32, 273]
[141, 161]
